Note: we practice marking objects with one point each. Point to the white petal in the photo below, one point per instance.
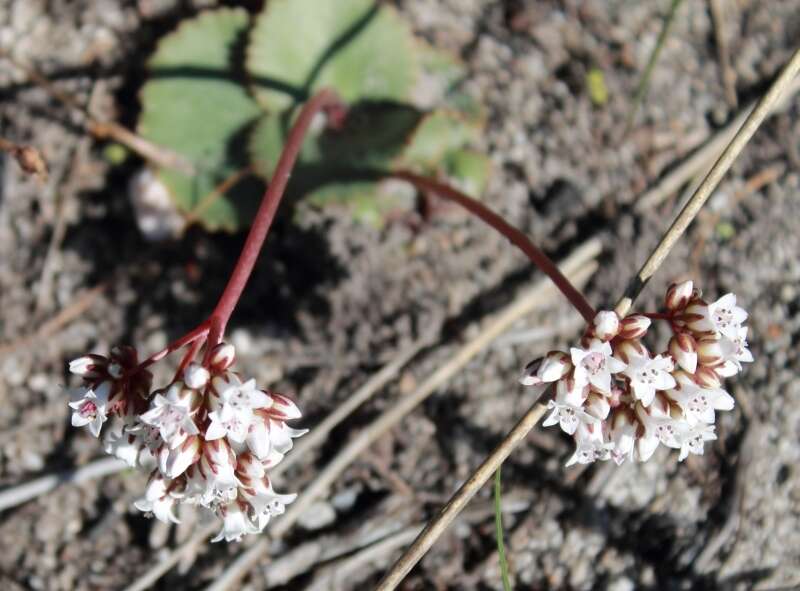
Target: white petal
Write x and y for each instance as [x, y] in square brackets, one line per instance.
[215, 430]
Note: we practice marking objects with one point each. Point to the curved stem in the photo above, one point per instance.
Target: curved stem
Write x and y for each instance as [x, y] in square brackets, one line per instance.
[515, 236]
[324, 99]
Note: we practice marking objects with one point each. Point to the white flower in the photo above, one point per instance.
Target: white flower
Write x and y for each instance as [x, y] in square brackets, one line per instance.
[230, 423]
[235, 524]
[89, 407]
[157, 500]
[623, 436]
[723, 316]
[734, 352]
[271, 439]
[568, 408]
[257, 490]
[174, 462]
[172, 416]
[554, 366]
[659, 427]
[698, 404]
[590, 445]
[239, 396]
[119, 442]
[647, 375]
[218, 466]
[595, 365]
[693, 440]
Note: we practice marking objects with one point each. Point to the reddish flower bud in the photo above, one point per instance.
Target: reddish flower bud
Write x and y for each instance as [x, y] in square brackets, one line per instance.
[222, 357]
[634, 326]
[683, 349]
[678, 295]
[707, 378]
[625, 350]
[709, 352]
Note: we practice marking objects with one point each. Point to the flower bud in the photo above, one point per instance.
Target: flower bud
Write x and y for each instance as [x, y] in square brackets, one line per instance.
[696, 318]
[634, 326]
[88, 366]
[552, 367]
[195, 376]
[707, 378]
[597, 406]
[222, 357]
[709, 352]
[678, 295]
[626, 350]
[683, 349]
[605, 325]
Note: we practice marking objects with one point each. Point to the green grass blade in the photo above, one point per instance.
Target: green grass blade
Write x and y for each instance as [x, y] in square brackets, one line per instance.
[644, 83]
[498, 525]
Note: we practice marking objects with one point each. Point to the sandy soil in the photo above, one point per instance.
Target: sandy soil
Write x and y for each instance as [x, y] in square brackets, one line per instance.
[331, 301]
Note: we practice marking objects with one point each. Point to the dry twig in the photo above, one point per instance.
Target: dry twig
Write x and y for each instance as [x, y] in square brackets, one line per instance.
[702, 158]
[105, 129]
[777, 90]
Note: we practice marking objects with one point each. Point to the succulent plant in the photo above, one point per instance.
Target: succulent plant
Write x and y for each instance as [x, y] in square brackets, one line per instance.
[222, 91]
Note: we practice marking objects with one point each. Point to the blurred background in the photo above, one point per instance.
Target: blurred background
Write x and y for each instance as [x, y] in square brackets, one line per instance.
[95, 255]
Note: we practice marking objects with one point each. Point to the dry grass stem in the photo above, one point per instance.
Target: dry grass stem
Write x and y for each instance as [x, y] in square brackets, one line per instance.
[701, 160]
[762, 109]
[437, 526]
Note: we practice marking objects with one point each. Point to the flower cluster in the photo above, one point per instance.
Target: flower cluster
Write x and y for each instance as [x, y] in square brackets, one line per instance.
[619, 401]
[207, 439]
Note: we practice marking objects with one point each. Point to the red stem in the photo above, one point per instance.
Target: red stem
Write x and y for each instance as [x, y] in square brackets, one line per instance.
[657, 316]
[324, 99]
[517, 238]
[197, 335]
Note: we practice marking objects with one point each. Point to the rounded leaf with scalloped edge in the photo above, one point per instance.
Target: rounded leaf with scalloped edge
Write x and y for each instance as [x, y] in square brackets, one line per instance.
[193, 104]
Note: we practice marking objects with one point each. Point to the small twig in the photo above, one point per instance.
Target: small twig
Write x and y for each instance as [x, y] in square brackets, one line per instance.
[723, 52]
[702, 158]
[16, 495]
[458, 501]
[579, 265]
[737, 144]
[217, 193]
[106, 129]
[644, 82]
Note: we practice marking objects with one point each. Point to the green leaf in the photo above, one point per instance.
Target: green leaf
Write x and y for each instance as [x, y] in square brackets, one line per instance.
[193, 105]
[439, 133]
[364, 50]
[470, 170]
